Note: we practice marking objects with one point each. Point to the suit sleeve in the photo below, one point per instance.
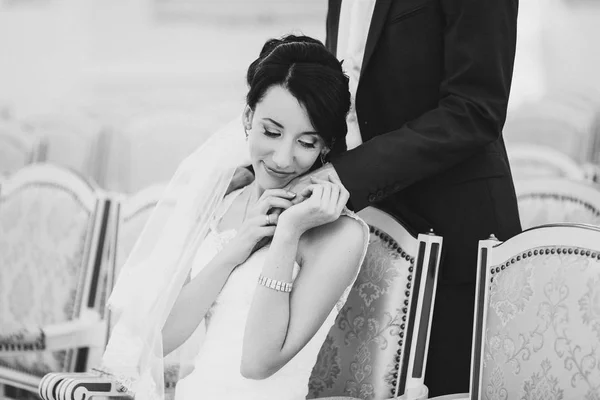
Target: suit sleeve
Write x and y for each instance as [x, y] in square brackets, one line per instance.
[479, 49]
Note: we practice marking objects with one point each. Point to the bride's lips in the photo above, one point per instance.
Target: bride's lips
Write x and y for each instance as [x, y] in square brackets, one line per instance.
[275, 173]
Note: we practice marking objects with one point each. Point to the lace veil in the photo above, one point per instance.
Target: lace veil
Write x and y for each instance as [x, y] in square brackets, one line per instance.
[159, 264]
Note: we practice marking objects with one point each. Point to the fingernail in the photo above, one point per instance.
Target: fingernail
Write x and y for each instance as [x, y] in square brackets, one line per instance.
[291, 194]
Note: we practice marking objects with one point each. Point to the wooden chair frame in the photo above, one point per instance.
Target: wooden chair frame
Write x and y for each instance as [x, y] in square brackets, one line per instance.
[82, 337]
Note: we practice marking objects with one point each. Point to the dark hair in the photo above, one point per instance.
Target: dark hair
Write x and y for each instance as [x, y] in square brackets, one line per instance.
[313, 75]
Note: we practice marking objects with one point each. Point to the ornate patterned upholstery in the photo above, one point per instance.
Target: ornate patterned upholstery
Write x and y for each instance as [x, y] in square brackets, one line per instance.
[51, 232]
[17, 148]
[537, 318]
[377, 348]
[543, 201]
[535, 161]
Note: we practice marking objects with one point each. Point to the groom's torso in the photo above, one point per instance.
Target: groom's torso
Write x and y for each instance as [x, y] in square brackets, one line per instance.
[401, 76]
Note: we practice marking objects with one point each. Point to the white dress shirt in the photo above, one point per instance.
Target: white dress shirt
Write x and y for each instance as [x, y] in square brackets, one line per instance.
[355, 19]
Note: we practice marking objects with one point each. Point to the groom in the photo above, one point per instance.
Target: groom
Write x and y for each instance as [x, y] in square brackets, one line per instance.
[430, 81]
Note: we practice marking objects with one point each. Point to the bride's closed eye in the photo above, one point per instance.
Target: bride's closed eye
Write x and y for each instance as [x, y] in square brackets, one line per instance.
[270, 134]
[308, 145]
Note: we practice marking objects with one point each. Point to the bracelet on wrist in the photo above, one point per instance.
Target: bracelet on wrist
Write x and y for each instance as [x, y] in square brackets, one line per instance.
[274, 284]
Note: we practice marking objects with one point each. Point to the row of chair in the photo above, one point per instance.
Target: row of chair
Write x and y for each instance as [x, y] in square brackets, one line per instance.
[535, 327]
[117, 156]
[68, 238]
[567, 121]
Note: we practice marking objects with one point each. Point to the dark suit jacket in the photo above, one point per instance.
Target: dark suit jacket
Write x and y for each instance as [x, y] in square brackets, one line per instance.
[431, 103]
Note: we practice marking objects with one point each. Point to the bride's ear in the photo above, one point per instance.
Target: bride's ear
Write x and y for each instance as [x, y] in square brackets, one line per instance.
[247, 117]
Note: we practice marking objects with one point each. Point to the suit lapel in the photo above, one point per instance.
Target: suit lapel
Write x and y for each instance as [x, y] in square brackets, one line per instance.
[377, 23]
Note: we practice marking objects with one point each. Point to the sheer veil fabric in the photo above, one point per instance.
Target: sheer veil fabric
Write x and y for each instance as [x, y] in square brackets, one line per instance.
[155, 272]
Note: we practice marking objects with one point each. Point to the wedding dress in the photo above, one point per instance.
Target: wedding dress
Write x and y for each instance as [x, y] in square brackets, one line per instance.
[216, 374]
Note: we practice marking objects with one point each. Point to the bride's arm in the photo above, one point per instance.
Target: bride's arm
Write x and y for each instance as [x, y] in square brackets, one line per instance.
[280, 324]
[194, 300]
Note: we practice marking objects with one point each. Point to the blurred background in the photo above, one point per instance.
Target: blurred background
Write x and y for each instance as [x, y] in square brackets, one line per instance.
[107, 65]
[101, 99]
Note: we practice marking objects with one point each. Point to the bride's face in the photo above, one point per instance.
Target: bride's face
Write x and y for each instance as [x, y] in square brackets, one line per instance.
[283, 143]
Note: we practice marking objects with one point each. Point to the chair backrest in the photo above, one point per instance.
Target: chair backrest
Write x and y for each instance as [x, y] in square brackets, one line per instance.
[17, 148]
[378, 346]
[543, 201]
[52, 227]
[537, 161]
[134, 213]
[73, 142]
[149, 149]
[537, 318]
[562, 123]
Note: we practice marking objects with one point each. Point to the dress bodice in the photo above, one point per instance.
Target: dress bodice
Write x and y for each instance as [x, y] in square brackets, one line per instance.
[216, 374]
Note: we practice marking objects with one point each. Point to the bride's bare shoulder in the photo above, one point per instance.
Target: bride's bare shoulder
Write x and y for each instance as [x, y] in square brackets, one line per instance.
[344, 234]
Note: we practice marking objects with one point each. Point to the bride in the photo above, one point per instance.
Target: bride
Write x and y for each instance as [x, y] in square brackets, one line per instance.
[271, 269]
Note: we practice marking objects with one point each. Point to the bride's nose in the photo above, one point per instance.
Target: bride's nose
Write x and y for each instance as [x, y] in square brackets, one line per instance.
[282, 157]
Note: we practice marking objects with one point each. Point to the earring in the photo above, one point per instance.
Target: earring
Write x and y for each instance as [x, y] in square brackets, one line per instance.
[246, 129]
[323, 161]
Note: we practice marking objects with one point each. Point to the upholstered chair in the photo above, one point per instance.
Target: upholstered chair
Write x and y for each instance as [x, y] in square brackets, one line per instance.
[559, 120]
[543, 201]
[74, 142]
[537, 316]
[148, 149]
[529, 161]
[378, 346]
[52, 229]
[18, 148]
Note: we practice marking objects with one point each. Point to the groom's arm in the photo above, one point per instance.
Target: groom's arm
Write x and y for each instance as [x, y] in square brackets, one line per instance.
[479, 49]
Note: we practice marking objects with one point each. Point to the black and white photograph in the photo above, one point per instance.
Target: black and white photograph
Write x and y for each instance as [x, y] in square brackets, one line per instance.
[299, 199]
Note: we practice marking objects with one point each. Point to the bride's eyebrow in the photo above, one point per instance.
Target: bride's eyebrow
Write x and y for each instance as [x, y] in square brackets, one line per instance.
[273, 122]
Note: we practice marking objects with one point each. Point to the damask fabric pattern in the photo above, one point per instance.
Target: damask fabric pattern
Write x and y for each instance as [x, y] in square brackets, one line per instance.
[543, 209]
[43, 233]
[542, 334]
[358, 357]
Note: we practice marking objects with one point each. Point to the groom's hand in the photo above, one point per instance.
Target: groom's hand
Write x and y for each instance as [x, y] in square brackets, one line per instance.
[241, 177]
[297, 185]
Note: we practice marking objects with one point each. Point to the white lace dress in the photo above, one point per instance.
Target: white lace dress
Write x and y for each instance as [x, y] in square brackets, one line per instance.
[216, 374]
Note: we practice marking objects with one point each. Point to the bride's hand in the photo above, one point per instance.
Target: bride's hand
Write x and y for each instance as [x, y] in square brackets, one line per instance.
[320, 203]
[260, 223]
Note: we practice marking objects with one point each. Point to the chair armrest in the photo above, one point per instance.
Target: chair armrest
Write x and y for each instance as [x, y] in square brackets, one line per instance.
[87, 331]
[458, 396]
[79, 386]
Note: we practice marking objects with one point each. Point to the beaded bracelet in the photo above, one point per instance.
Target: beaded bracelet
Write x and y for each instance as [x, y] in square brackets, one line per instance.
[275, 284]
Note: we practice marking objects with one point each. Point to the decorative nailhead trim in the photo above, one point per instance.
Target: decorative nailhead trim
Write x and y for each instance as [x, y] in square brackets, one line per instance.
[561, 198]
[23, 341]
[543, 251]
[395, 247]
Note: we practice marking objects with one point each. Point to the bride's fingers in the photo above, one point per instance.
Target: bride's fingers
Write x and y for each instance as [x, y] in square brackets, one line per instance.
[317, 194]
[326, 196]
[334, 199]
[343, 199]
[268, 203]
[307, 191]
[281, 193]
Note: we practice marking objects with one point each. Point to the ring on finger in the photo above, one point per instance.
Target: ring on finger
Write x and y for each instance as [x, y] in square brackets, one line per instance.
[268, 218]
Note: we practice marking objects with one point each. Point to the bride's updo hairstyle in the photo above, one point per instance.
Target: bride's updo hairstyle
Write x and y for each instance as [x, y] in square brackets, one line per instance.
[313, 75]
